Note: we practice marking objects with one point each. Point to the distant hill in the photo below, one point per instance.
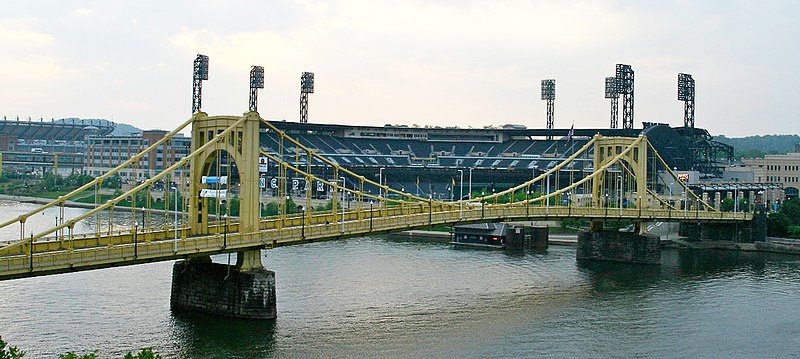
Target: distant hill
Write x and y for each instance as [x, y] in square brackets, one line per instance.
[758, 146]
[122, 129]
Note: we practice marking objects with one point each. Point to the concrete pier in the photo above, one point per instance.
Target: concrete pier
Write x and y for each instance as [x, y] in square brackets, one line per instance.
[219, 289]
[744, 232]
[619, 247]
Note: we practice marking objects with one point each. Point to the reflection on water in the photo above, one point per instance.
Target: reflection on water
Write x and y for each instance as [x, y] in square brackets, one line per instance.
[372, 297]
[207, 337]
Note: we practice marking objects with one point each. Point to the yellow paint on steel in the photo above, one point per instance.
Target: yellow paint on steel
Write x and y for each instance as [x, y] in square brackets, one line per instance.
[51, 251]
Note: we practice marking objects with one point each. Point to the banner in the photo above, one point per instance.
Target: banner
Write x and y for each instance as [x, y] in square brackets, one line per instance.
[215, 180]
[213, 193]
[263, 164]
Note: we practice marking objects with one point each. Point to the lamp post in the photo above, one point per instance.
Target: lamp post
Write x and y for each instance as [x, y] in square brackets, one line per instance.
[380, 182]
[470, 183]
[685, 202]
[302, 222]
[225, 232]
[547, 198]
[461, 195]
[670, 193]
[175, 212]
[344, 182]
[225, 224]
[619, 194]
[370, 216]
[135, 240]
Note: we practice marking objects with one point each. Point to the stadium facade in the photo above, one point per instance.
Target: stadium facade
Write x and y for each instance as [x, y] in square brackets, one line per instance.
[421, 160]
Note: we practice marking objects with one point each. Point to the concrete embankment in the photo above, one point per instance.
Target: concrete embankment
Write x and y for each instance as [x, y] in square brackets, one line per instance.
[772, 244]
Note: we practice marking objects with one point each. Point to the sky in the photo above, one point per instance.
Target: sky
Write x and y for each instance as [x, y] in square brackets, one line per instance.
[435, 63]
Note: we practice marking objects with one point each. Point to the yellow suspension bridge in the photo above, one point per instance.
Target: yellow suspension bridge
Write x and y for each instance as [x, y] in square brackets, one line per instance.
[629, 166]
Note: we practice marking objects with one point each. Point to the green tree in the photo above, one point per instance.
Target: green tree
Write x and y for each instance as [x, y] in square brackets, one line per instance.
[8, 352]
[146, 353]
[791, 209]
[727, 205]
[72, 355]
[778, 225]
[112, 182]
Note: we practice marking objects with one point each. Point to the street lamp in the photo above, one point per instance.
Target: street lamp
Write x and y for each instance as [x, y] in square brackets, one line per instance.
[135, 241]
[302, 222]
[461, 195]
[619, 179]
[470, 183]
[547, 198]
[344, 182]
[225, 223]
[670, 192]
[175, 240]
[380, 181]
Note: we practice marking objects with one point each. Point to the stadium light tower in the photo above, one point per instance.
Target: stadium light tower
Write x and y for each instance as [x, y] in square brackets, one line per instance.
[549, 95]
[256, 82]
[306, 87]
[612, 92]
[624, 75]
[200, 74]
[686, 94]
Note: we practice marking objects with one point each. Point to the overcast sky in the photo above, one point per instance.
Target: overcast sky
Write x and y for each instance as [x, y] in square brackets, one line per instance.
[441, 63]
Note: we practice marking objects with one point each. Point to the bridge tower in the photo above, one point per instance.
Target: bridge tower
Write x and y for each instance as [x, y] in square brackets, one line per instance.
[606, 149]
[245, 290]
[631, 156]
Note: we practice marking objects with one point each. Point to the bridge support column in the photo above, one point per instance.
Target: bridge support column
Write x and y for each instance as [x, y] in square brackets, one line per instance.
[635, 247]
[246, 290]
[746, 231]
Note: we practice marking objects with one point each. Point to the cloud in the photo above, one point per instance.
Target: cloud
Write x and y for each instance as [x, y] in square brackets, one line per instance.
[22, 70]
[83, 12]
[16, 40]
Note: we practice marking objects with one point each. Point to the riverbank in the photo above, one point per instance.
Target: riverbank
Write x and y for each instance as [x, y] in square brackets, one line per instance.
[71, 204]
[771, 245]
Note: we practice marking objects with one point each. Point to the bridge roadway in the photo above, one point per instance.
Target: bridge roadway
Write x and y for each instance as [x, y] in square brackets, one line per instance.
[84, 252]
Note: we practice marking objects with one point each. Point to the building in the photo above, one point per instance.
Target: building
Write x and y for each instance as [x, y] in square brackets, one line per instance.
[107, 152]
[780, 169]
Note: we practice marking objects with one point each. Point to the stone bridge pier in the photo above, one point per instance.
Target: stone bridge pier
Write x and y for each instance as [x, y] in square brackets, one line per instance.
[245, 290]
[630, 247]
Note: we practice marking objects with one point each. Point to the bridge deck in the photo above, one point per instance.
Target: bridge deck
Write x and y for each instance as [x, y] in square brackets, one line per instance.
[61, 254]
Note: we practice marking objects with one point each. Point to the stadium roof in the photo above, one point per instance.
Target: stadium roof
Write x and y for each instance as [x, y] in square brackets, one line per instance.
[538, 132]
[67, 129]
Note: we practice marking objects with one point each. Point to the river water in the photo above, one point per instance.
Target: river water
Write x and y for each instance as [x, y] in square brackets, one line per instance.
[375, 297]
